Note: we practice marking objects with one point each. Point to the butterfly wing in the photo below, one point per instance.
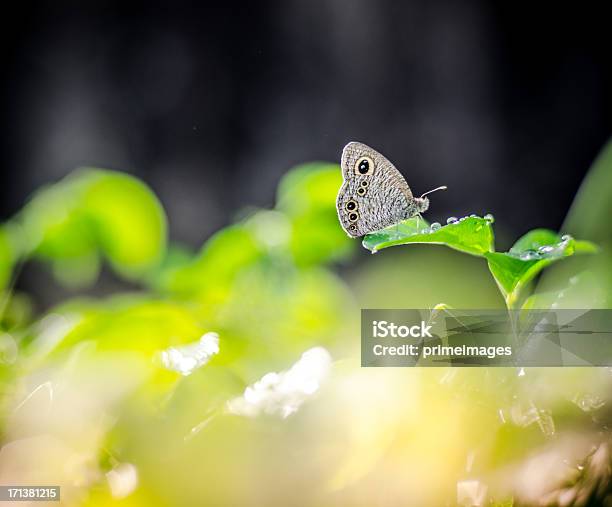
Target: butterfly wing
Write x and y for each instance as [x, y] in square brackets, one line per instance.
[374, 193]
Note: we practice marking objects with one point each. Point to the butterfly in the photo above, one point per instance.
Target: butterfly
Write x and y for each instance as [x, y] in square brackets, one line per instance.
[374, 194]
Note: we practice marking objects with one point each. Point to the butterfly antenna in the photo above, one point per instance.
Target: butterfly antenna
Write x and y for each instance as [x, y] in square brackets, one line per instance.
[443, 187]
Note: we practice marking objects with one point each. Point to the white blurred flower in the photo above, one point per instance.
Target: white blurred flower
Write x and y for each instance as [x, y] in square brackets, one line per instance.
[283, 393]
[471, 493]
[186, 359]
[122, 480]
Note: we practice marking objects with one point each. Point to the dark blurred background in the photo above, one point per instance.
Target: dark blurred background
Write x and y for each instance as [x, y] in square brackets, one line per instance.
[506, 103]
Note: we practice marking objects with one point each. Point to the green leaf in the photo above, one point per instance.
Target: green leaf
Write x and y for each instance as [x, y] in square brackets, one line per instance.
[534, 239]
[125, 322]
[534, 251]
[130, 223]
[212, 271]
[589, 216]
[6, 259]
[472, 235]
[307, 196]
[90, 214]
[309, 187]
[51, 225]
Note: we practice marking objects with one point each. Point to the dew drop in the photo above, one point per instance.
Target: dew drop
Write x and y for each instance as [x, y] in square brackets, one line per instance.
[489, 218]
[529, 255]
[566, 237]
[434, 226]
[473, 215]
[451, 220]
[545, 249]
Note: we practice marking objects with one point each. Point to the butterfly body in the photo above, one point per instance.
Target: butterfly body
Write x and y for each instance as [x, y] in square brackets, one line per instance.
[374, 194]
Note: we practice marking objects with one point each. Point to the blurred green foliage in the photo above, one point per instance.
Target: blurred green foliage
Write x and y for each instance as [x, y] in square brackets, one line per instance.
[589, 214]
[305, 197]
[92, 215]
[86, 398]
[6, 258]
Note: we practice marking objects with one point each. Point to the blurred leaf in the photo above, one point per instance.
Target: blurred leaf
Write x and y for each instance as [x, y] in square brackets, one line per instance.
[90, 213]
[177, 257]
[307, 195]
[129, 327]
[317, 238]
[81, 271]
[309, 187]
[214, 268]
[200, 395]
[302, 230]
[16, 310]
[130, 223]
[472, 235]
[272, 314]
[270, 229]
[584, 282]
[534, 251]
[6, 259]
[589, 216]
[131, 323]
[51, 224]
